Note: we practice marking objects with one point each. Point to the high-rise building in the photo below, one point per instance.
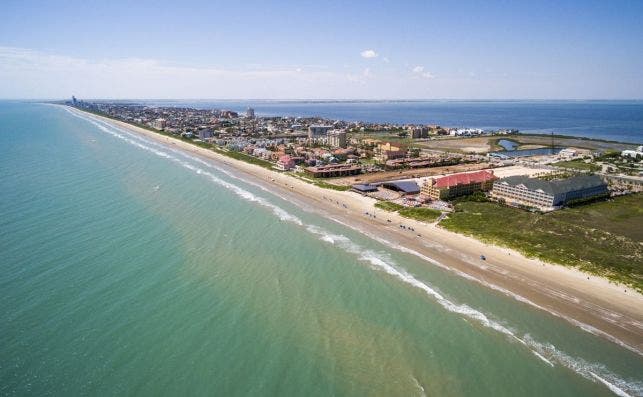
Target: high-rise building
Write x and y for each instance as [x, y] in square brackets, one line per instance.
[159, 124]
[336, 138]
[314, 131]
[250, 113]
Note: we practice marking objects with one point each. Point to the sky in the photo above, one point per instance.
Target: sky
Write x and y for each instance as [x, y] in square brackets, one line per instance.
[321, 50]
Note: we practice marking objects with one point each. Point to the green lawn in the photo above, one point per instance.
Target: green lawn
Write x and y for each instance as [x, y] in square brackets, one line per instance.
[327, 185]
[604, 238]
[578, 165]
[420, 214]
[388, 206]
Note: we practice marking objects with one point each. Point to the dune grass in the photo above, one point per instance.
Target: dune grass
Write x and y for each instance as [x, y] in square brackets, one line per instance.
[419, 214]
[603, 238]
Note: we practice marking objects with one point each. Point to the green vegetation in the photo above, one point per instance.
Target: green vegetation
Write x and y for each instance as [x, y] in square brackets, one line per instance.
[603, 238]
[419, 214]
[388, 206]
[241, 156]
[578, 165]
[479, 197]
[326, 185]
[558, 175]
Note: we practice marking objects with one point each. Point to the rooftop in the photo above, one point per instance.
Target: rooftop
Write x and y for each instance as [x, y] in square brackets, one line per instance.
[464, 178]
[409, 187]
[556, 187]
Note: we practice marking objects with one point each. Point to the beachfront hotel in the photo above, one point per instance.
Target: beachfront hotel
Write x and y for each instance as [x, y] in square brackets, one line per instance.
[545, 195]
[451, 186]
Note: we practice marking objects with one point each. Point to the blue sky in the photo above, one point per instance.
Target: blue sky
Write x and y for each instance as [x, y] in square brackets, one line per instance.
[322, 50]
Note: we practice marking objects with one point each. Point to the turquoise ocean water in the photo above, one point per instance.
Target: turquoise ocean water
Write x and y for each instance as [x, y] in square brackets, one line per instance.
[128, 268]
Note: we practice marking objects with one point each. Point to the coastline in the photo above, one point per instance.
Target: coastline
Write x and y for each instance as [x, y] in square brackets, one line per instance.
[591, 302]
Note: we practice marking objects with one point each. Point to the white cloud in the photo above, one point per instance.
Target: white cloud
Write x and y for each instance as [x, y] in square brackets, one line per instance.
[419, 72]
[368, 54]
[35, 74]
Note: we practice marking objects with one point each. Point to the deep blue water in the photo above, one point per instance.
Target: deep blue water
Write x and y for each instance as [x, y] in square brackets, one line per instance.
[612, 120]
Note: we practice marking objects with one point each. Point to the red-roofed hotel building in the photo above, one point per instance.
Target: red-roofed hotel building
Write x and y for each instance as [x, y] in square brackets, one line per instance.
[450, 186]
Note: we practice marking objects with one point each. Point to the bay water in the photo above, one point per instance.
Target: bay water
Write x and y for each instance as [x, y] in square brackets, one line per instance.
[617, 120]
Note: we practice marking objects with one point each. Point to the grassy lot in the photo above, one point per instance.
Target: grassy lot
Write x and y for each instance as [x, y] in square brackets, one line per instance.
[578, 165]
[420, 214]
[604, 238]
[320, 182]
[388, 206]
[326, 185]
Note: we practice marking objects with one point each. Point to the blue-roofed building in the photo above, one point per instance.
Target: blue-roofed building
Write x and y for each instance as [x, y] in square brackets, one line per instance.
[364, 188]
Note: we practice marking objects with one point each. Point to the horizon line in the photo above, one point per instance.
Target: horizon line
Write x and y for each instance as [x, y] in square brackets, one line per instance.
[334, 99]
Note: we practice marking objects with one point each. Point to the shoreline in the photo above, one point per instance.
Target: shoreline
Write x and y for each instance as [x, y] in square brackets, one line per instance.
[590, 302]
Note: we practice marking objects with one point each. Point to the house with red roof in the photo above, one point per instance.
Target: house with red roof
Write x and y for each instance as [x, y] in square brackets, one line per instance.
[285, 163]
[451, 186]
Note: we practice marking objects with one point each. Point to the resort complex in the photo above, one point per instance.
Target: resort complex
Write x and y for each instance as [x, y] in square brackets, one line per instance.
[544, 195]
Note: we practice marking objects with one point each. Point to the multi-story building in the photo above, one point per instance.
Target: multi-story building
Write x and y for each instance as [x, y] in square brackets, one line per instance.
[337, 138]
[205, 133]
[451, 186]
[333, 170]
[315, 131]
[159, 124]
[417, 132]
[250, 113]
[388, 151]
[546, 195]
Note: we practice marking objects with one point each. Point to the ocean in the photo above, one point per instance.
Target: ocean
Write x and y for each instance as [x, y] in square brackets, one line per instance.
[620, 121]
[130, 268]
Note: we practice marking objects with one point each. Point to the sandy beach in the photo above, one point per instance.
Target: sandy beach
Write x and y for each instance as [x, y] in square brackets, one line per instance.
[593, 303]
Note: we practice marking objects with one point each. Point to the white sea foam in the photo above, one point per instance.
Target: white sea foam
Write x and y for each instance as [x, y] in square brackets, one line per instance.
[590, 371]
[585, 327]
[381, 261]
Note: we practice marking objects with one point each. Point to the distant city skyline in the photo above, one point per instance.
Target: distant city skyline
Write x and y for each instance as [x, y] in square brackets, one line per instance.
[362, 50]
